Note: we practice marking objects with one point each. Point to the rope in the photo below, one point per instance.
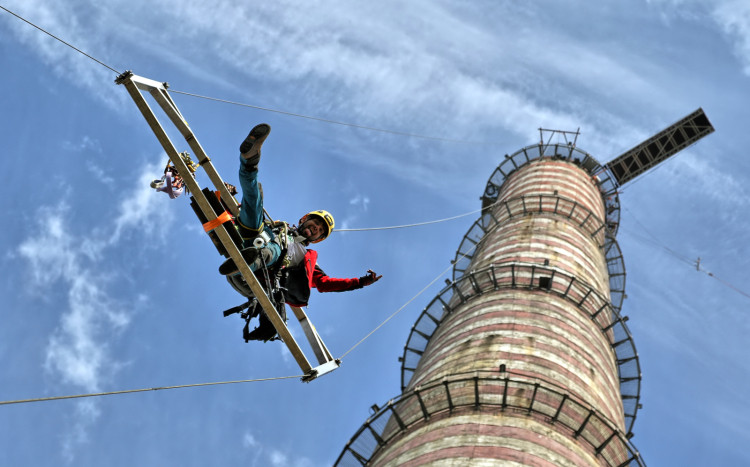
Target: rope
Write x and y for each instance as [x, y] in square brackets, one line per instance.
[413, 225]
[57, 38]
[432, 281]
[656, 241]
[335, 122]
[684, 258]
[710, 274]
[396, 312]
[417, 295]
[127, 391]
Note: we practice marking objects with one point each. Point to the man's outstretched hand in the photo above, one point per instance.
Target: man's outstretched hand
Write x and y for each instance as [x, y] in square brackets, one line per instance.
[370, 278]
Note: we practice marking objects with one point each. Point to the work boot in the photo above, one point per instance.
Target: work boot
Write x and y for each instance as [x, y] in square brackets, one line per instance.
[250, 148]
[229, 267]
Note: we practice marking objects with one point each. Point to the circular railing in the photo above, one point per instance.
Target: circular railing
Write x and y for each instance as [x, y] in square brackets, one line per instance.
[601, 175]
[538, 278]
[548, 205]
[494, 393]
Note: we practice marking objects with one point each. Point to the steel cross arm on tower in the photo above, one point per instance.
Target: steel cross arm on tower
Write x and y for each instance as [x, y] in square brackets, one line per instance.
[659, 147]
[135, 84]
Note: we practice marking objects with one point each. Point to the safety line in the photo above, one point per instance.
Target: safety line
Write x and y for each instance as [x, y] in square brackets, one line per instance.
[657, 242]
[335, 122]
[684, 258]
[396, 312]
[127, 391]
[710, 274]
[57, 38]
[411, 225]
[453, 263]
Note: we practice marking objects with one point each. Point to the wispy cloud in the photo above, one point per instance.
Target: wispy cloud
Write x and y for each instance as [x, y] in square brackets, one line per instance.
[278, 458]
[734, 18]
[87, 413]
[731, 16]
[141, 209]
[724, 189]
[724, 413]
[87, 143]
[68, 64]
[360, 201]
[100, 174]
[79, 350]
[272, 455]
[249, 441]
[447, 76]
[358, 206]
[421, 79]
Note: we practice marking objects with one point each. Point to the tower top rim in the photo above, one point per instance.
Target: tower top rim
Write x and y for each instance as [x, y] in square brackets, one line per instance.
[567, 152]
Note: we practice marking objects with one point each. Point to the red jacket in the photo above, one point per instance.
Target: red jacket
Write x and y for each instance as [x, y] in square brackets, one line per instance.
[298, 289]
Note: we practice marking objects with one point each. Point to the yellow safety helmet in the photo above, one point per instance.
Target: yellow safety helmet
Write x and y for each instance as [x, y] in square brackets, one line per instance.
[327, 219]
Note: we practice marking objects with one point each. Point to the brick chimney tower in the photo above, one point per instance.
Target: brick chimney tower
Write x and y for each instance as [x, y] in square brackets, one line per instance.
[524, 358]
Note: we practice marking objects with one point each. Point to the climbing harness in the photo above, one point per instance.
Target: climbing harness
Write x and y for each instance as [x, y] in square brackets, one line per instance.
[270, 279]
[216, 211]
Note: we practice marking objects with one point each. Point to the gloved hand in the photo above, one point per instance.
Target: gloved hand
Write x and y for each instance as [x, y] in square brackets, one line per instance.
[369, 278]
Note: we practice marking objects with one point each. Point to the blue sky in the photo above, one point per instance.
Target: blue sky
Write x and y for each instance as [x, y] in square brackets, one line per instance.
[107, 285]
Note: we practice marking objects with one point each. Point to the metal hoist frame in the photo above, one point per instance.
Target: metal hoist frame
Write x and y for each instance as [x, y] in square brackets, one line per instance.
[135, 84]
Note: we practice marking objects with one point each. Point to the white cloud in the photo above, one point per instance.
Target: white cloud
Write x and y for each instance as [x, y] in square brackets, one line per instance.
[273, 456]
[85, 34]
[282, 459]
[419, 78]
[447, 76]
[77, 350]
[734, 18]
[725, 190]
[731, 16]
[76, 267]
[359, 203]
[142, 209]
[86, 143]
[249, 441]
[51, 254]
[76, 435]
[278, 458]
[100, 174]
[360, 200]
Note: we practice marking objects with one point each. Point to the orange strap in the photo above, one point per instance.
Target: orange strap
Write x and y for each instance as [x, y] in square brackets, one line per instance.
[211, 225]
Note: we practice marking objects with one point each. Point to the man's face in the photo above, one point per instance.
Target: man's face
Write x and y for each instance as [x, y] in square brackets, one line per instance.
[313, 228]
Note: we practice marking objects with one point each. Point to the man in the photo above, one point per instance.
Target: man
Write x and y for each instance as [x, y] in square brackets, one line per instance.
[263, 246]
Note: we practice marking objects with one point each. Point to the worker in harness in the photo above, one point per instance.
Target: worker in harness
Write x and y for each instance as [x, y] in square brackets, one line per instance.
[265, 245]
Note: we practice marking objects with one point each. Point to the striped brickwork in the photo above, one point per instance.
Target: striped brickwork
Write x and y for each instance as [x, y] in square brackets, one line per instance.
[516, 440]
[537, 304]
